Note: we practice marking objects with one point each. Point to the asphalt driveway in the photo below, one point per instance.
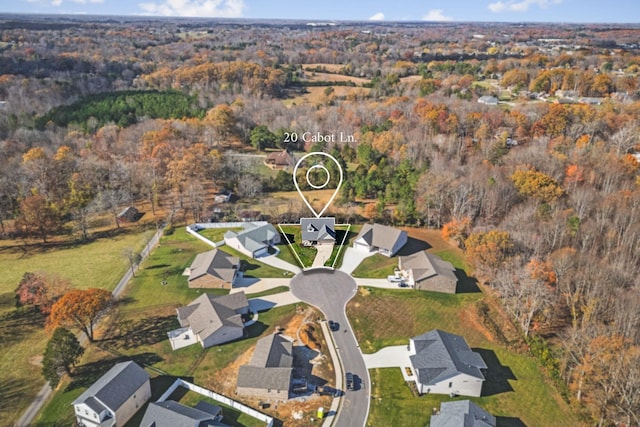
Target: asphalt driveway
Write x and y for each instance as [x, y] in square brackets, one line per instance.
[329, 291]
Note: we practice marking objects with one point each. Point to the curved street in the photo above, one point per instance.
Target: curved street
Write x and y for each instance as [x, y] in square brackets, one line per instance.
[329, 291]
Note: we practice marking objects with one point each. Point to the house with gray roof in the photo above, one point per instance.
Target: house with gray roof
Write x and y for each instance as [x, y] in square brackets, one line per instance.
[428, 272]
[443, 363]
[214, 269]
[254, 241]
[488, 100]
[381, 239]
[114, 398]
[318, 231]
[174, 414]
[268, 374]
[214, 320]
[462, 413]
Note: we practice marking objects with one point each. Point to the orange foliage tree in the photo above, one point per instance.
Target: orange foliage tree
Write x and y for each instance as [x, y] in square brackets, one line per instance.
[79, 308]
[457, 230]
[488, 250]
[537, 184]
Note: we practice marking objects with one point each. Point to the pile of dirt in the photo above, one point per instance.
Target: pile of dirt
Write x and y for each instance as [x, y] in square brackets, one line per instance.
[308, 336]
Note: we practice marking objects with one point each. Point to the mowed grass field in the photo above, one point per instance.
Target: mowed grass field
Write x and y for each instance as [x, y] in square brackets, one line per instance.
[96, 264]
[516, 387]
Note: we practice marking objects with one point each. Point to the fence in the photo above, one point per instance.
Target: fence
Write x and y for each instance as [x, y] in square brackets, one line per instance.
[192, 229]
[217, 397]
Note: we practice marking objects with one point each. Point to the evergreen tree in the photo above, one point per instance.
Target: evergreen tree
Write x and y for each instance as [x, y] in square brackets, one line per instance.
[62, 352]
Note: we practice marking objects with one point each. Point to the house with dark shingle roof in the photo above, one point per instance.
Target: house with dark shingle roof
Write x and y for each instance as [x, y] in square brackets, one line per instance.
[173, 414]
[428, 272]
[114, 398]
[462, 413]
[318, 231]
[213, 269]
[281, 160]
[214, 320]
[254, 241]
[268, 374]
[443, 363]
[380, 238]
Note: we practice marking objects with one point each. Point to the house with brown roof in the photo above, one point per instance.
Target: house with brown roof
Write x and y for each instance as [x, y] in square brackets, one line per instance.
[380, 238]
[215, 320]
[214, 269]
[428, 272]
[268, 374]
[280, 160]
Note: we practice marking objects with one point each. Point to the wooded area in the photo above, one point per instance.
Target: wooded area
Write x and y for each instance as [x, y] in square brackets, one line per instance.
[541, 190]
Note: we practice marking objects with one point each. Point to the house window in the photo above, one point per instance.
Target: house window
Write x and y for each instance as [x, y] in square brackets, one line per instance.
[450, 385]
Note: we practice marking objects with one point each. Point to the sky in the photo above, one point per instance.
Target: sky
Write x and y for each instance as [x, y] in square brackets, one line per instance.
[625, 11]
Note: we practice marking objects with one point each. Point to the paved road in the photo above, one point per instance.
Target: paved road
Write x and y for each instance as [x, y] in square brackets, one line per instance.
[330, 290]
[44, 393]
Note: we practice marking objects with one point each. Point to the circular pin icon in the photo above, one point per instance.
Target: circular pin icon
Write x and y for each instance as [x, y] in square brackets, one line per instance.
[314, 186]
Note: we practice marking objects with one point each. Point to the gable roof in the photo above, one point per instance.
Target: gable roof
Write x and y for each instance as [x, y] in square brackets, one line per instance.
[254, 237]
[462, 413]
[208, 313]
[426, 265]
[173, 414]
[115, 387]
[380, 236]
[281, 158]
[215, 263]
[314, 229]
[441, 355]
[271, 365]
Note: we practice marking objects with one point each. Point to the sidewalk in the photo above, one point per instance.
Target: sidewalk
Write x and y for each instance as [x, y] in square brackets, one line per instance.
[276, 262]
[271, 301]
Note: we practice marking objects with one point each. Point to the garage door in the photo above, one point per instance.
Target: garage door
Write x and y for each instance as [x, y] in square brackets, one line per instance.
[261, 252]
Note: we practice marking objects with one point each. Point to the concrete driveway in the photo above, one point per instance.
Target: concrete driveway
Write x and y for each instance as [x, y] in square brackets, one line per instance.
[276, 262]
[253, 286]
[352, 259]
[323, 254]
[329, 291]
[270, 301]
[379, 283]
[389, 357]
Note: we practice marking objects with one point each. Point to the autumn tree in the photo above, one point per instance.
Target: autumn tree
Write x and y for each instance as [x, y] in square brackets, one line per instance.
[536, 184]
[40, 291]
[80, 308]
[38, 217]
[62, 353]
[488, 250]
[457, 230]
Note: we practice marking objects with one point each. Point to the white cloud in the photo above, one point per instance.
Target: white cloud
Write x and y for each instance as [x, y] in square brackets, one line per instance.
[436, 15]
[56, 2]
[200, 8]
[377, 17]
[520, 6]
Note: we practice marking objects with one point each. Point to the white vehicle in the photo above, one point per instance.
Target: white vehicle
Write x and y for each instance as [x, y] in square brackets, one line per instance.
[394, 279]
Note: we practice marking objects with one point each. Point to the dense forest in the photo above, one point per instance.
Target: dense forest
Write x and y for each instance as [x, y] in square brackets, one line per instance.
[540, 189]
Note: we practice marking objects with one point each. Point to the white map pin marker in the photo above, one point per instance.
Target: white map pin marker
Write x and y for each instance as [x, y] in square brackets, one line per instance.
[317, 187]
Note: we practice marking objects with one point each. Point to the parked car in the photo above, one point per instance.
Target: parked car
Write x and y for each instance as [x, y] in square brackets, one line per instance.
[394, 279]
[349, 381]
[334, 326]
[402, 285]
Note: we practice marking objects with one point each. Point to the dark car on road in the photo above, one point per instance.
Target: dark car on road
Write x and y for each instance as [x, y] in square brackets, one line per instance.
[351, 385]
[334, 326]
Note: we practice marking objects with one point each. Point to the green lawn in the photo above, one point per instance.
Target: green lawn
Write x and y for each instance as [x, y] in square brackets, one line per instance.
[255, 268]
[340, 247]
[216, 234]
[516, 385]
[272, 291]
[96, 264]
[376, 267]
[306, 254]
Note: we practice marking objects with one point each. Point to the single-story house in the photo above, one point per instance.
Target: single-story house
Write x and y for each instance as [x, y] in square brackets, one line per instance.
[280, 160]
[380, 238]
[129, 214]
[170, 413]
[254, 240]
[268, 374]
[318, 231]
[428, 272]
[488, 100]
[223, 196]
[214, 269]
[444, 364]
[114, 398]
[462, 413]
[214, 320]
